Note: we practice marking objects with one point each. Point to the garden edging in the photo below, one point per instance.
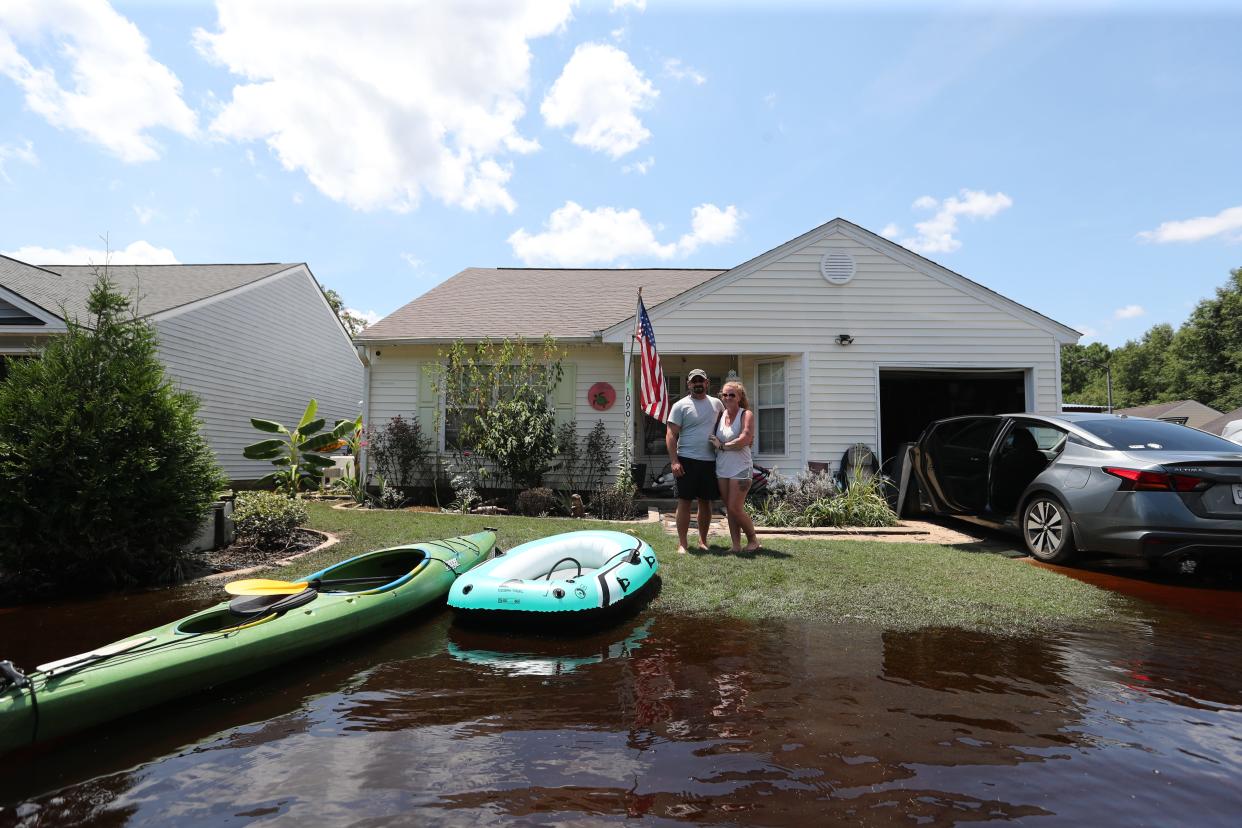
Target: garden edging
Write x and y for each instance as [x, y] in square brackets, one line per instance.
[329, 540]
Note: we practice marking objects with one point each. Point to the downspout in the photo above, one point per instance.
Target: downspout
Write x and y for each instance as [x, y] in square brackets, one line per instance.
[361, 459]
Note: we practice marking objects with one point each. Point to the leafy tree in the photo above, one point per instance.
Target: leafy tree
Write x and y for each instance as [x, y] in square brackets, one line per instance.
[104, 476]
[1209, 348]
[497, 399]
[1201, 360]
[352, 321]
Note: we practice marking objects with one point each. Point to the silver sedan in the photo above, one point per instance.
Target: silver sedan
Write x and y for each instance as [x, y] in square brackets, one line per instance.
[1124, 486]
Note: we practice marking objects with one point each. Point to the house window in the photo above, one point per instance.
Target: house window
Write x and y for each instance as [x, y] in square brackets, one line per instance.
[464, 409]
[770, 407]
[503, 385]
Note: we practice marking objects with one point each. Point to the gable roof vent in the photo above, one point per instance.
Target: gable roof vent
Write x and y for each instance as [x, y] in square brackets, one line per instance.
[837, 267]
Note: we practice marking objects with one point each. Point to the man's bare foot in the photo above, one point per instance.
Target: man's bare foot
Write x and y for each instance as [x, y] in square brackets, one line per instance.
[703, 547]
[754, 546]
[735, 551]
[681, 550]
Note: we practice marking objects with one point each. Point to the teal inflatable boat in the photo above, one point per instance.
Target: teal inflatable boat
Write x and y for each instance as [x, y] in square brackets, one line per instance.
[587, 572]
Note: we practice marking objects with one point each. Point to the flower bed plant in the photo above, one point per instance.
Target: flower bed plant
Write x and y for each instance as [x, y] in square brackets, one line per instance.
[814, 499]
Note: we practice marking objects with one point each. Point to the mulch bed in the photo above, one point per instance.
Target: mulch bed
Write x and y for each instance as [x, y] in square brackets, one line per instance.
[241, 556]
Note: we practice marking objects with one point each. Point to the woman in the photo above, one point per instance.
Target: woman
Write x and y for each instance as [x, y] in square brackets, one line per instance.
[734, 432]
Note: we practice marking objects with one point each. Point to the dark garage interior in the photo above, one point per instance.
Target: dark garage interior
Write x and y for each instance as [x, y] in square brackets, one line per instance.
[910, 399]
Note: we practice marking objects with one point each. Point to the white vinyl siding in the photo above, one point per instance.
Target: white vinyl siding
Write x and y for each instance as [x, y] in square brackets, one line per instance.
[897, 314]
[400, 385]
[263, 352]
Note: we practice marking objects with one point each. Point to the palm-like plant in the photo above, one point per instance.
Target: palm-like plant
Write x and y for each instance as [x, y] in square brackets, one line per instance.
[298, 454]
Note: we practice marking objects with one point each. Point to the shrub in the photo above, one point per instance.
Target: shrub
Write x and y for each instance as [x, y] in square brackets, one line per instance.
[538, 501]
[104, 475]
[584, 462]
[597, 455]
[613, 503]
[400, 451]
[812, 499]
[266, 520]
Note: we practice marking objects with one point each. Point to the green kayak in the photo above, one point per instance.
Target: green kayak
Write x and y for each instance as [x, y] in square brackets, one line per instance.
[231, 640]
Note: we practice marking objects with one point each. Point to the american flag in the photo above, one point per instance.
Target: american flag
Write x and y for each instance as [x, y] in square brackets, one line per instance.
[655, 401]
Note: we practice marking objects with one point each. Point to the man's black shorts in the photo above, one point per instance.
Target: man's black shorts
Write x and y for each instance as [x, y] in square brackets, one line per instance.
[699, 481]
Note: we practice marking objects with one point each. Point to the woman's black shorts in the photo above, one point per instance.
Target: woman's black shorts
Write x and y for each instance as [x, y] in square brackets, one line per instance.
[699, 481]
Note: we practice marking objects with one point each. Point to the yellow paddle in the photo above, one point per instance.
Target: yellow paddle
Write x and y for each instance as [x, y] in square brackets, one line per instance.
[267, 586]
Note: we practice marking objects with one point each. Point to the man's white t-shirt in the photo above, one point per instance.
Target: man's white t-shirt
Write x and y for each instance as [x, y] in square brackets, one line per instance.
[696, 419]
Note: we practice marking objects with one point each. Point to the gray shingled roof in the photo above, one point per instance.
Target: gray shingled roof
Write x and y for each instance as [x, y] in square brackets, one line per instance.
[1218, 425]
[154, 288]
[530, 302]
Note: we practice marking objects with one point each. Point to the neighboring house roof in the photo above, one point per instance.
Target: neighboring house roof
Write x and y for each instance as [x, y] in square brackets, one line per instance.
[63, 289]
[1218, 425]
[531, 302]
[1195, 414]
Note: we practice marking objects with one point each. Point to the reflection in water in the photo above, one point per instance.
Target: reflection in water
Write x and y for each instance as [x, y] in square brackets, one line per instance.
[675, 719]
[539, 656]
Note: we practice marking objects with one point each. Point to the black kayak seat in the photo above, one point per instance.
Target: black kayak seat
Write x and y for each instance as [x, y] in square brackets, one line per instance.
[253, 606]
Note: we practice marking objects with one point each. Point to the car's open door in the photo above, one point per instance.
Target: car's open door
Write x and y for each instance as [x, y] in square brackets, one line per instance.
[953, 463]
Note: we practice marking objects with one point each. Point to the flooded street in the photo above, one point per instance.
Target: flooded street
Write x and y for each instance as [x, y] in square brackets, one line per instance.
[674, 719]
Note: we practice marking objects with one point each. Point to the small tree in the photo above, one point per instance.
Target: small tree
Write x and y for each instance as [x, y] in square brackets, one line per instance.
[104, 476]
[496, 399]
[298, 454]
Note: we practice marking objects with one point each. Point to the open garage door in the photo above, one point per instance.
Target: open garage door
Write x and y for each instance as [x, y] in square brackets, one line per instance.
[911, 398]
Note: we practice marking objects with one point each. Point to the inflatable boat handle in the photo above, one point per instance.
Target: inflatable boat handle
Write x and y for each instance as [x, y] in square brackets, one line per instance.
[561, 561]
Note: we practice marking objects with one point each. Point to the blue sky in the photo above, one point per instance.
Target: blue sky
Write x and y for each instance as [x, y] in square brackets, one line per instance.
[1083, 159]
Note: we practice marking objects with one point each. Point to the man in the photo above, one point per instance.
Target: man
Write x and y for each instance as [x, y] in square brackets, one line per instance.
[690, 423]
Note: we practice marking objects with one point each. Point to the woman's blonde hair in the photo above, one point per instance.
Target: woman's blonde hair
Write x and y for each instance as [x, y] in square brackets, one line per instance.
[742, 400]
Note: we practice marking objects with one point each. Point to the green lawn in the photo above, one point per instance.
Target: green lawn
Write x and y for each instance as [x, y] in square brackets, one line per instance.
[894, 585]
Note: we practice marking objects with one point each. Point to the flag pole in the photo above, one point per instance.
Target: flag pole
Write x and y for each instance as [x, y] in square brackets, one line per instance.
[627, 449]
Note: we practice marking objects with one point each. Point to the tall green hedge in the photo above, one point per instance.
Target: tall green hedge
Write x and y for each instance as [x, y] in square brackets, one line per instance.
[104, 476]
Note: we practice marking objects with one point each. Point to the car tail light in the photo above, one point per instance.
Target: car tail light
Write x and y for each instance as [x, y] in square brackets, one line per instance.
[1136, 480]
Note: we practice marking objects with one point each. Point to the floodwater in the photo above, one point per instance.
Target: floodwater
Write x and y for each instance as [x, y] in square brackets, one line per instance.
[672, 719]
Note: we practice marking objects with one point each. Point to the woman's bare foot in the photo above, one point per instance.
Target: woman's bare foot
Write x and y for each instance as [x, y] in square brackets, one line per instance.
[704, 547]
[736, 551]
[681, 550]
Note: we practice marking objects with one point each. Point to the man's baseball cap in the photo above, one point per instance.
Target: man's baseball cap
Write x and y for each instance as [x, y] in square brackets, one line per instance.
[696, 372]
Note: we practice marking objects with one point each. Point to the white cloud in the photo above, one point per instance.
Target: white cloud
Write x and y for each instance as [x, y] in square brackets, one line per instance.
[1087, 331]
[891, 231]
[936, 235]
[640, 167]
[675, 69]
[637, 5]
[381, 103]
[144, 214]
[12, 152]
[412, 260]
[139, 252]
[296, 198]
[599, 93]
[1129, 312]
[575, 237]
[118, 93]
[370, 317]
[1227, 224]
[769, 100]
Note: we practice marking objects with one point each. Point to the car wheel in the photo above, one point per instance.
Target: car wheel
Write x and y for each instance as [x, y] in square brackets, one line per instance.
[1047, 531]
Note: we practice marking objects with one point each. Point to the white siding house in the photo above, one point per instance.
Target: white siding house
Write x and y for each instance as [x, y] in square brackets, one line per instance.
[248, 340]
[840, 336]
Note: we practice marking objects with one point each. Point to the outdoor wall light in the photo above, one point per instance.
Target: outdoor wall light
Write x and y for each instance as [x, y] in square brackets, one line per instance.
[844, 339]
